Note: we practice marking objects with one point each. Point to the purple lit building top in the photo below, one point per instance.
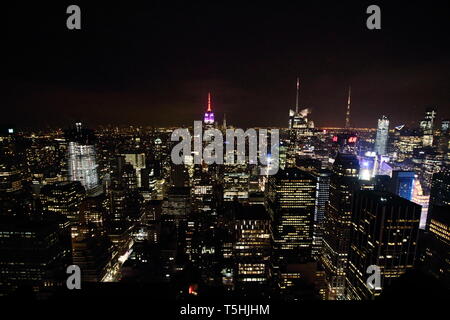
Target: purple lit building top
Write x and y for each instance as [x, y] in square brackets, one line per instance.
[209, 114]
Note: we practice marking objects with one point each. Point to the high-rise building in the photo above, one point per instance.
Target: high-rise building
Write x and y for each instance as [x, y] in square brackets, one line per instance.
[93, 211]
[208, 119]
[235, 182]
[202, 190]
[337, 223]
[252, 248]
[382, 136]
[402, 183]
[34, 253]
[436, 248]
[137, 160]
[10, 168]
[64, 198]
[347, 114]
[419, 197]
[384, 233]
[82, 158]
[177, 206]
[445, 125]
[439, 193]
[443, 141]
[291, 201]
[92, 252]
[322, 197]
[427, 127]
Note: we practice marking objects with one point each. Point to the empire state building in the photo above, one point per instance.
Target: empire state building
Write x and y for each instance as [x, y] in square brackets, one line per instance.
[208, 119]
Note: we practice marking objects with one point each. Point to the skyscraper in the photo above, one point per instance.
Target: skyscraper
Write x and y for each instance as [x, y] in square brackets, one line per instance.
[208, 119]
[436, 253]
[291, 201]
[64, 198]
[82, 162]
[299, 119]
[11, 174]
[384, 233]
[422, 199]
[322, 196]
[337, 223]
[382, 136]
[427, 126]
[137, 160]
[347, 114]
[252, 246]
[439, 193]
[402, 183]
[34, 253]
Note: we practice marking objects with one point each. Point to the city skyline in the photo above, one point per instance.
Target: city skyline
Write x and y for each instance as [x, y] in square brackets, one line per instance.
[187, 156]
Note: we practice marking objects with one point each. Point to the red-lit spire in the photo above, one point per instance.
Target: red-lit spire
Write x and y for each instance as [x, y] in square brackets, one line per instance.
[209, 102]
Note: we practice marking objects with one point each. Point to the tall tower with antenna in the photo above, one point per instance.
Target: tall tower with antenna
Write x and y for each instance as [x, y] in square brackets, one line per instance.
[296, 98]
[209, 114]
[347, 116]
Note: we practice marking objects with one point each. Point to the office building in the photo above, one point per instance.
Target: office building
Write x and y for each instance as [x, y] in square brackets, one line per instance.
[82, 157]
[384, 233]
[382, 136]
[402, 183]
[337, 223]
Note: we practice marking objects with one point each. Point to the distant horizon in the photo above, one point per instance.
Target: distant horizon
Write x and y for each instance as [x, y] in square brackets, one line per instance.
[154, 64]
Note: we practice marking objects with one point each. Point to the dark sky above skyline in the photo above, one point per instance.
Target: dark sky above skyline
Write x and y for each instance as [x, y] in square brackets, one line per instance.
[154, 64]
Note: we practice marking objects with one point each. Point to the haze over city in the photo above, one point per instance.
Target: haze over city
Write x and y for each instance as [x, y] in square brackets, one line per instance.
[159, 61]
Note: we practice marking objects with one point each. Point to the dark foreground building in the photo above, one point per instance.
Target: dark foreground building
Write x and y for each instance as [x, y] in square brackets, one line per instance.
[384, 234]
[34, 253]
[436, 247]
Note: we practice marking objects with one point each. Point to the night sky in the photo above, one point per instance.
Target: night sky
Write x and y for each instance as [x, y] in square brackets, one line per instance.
[154, 64]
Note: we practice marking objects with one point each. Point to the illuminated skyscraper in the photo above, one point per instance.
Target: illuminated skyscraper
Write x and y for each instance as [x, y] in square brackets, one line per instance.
[235, 182]
[252, 246]
[384, 233]
[291, 201]
[322, 197]
[10, 171]
[337, 222]
[427, 126]
[402, 183]
[347, 114]
[81, 157]
[445, 125]
[422, 199]
[209, 114]
[64, 198]
[137, 160]
[382, 136]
